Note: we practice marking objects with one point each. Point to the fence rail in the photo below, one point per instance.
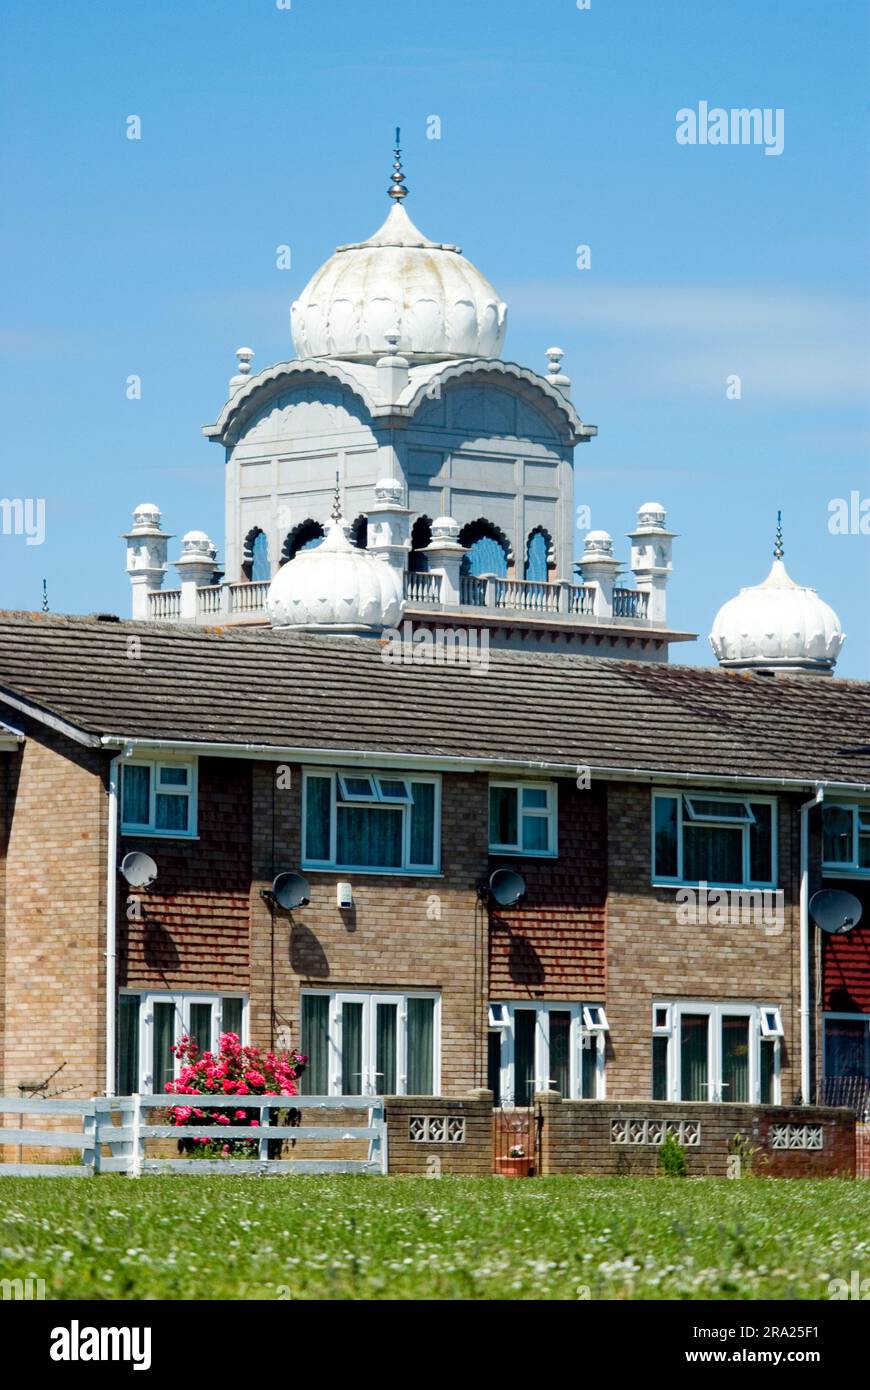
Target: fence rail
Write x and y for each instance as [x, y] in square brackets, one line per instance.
[121, 1125]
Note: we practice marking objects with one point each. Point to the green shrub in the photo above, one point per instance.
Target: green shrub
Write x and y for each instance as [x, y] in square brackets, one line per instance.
[672, 1158]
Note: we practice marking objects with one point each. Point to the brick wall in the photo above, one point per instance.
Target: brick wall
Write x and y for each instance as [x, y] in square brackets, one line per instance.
[194, 932]
[55, 873]
[577, 1138]
[552, 945]
[469, 1157]
[403, 932]
[651, 955]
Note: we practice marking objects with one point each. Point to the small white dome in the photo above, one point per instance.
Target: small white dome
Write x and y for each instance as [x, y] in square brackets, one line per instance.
[398, 282]
[336, 587]
[779, 625]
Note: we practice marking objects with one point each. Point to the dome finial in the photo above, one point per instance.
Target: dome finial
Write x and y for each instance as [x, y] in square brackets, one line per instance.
[778, 550]
[397, 189]
[335, 514]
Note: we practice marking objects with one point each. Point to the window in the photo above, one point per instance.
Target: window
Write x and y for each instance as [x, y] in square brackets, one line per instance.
[522, 818]
[847, 1053]
[370, 1044]
[488, 549]
[716, 1052]
[543, 1047]
[387, 822]
[539, 551]
[149, 1026]
[158, 798]
[721, 840]
[846, 838]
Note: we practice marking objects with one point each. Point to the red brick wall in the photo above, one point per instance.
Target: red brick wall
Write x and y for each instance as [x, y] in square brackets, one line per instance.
[577, 1138]
[195, 927]
[552, 946]
[846, 958]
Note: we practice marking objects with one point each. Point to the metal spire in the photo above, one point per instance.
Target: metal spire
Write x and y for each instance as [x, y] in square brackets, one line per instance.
[397, 189]
[778, 551]
[335, 514]
[44, 596]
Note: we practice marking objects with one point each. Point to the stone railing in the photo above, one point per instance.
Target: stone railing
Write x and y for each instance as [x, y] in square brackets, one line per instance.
[630, 603]
[164, 605]
[422, 587]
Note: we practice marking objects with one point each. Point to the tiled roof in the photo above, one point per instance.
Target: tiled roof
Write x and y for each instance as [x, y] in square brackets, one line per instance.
[302, 691]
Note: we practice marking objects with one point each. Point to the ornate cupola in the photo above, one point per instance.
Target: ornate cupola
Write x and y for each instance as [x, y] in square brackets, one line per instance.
[336, 587]
[777, 625]
[398, 287]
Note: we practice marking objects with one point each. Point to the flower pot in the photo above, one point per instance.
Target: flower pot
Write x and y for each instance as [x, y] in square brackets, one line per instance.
[514, 1167]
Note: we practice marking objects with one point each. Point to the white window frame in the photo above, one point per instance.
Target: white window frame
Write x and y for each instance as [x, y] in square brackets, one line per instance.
[832, 868]
[369, 1000]
[156, 766]
[407, 866]
[679, 879]
[579, 1038]
[549, 813]
[715, 1012]
[182, 1002]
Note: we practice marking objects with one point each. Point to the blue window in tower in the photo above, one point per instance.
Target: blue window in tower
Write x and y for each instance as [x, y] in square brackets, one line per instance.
[260, 558]
[306, 536]
[537, 552]
[488, 549]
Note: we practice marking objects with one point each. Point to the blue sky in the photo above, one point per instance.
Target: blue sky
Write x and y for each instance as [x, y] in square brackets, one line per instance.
[264, 126]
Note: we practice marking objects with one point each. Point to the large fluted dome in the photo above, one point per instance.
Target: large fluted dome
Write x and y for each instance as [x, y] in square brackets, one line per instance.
[335, 587]
[398, 282]
[778, 625]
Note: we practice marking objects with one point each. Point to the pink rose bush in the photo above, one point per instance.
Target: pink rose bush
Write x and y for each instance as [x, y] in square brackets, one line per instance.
[232, 1071]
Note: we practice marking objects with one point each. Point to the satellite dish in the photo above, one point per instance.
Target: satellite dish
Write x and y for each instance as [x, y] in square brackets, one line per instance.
[506, 887]
[291, 890]
[138, 869]
[834, 910]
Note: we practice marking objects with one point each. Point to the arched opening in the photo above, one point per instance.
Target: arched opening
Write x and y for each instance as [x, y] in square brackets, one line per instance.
[255, 556]
[489, 550]
[421, 534]
[305, 536]
[359, 532]
[539, 555]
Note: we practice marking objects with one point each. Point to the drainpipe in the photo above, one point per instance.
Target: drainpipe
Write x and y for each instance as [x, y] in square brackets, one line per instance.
[111, 922]
[805, 941]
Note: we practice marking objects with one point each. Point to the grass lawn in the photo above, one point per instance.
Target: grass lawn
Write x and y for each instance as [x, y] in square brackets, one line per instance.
[364, 1237]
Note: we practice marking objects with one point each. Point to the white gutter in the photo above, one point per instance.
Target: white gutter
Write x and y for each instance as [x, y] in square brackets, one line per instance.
[112, 923]
[805, 1012]
[272, 752]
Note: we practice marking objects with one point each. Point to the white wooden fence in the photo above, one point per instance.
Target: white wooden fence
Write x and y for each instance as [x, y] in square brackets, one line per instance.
[120, 1124]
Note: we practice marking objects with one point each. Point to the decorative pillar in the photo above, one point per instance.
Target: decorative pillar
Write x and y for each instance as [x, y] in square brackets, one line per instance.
[146, 556]
[245, 356]
[445, 557]
[393, 371]
[389, 525]
[651, 546]
[555, 375]
[599, 568]
[196, 567]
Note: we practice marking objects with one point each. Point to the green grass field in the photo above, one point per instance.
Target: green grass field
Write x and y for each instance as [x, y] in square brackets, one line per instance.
[370, 1238]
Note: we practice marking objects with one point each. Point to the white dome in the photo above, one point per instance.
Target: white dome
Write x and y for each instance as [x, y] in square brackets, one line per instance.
[779, 625]
[398, 282]
[336, 587]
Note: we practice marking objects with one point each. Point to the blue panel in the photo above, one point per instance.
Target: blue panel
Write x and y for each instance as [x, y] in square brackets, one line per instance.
[485, 556]
[260, 558]
[536, 558]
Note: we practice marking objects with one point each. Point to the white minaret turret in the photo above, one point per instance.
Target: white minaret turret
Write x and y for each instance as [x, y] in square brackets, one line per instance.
[445, 556]
[389, 526]
[393, 370]
[555, 374]
[146, 556]
[600, 568]
[651, 545]
[244, 357]
[197, 566]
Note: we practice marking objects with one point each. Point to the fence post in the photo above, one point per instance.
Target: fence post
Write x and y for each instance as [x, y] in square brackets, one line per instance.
[136, 1146]
[91, 1150]
[378, 1144]
[264, 1133]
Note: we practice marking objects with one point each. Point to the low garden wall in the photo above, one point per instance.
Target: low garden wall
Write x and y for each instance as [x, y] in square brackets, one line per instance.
[433, 1135]
[624, 1137]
